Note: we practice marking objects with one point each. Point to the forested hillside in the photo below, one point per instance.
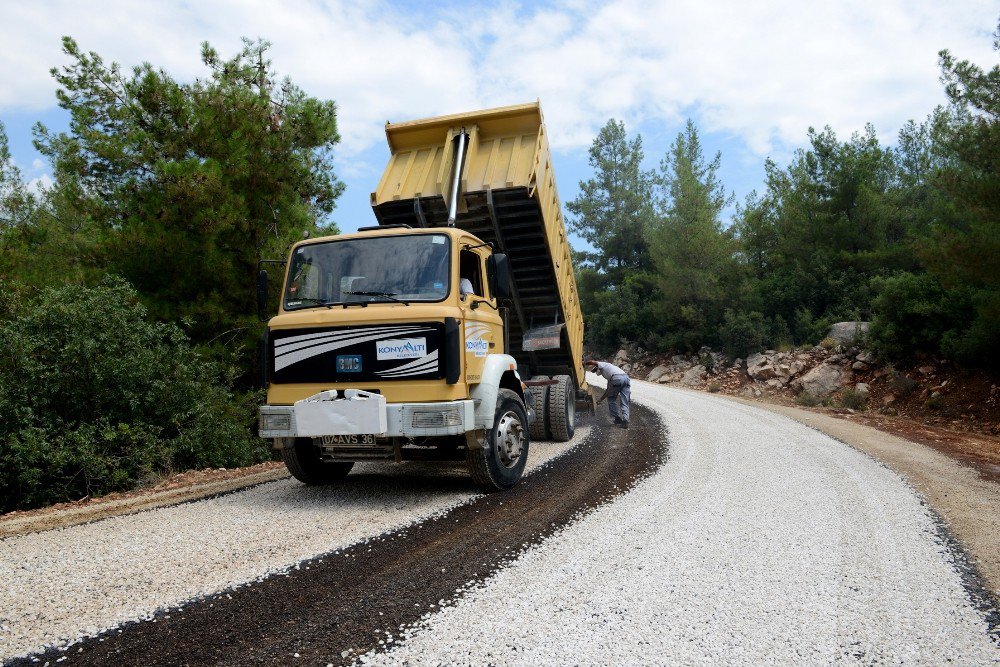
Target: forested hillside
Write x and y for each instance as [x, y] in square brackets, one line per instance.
[127, 287]
[907, 236]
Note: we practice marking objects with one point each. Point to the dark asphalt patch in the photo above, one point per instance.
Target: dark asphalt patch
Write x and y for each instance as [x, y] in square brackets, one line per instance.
[351, 599]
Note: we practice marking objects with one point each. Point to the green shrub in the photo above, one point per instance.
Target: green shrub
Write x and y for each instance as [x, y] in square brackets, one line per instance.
[811, 401]
[853, 399]
[714, 387]
[743, 333]
[779, 334]
[913, 313]
[808, 400]
[901, 384]
[708, 361]
[96, 397]
[828, 343]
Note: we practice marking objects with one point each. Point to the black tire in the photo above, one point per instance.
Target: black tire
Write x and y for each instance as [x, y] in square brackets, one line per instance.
[539, 428]
[303, 461]
[562, 408]
[495, 466]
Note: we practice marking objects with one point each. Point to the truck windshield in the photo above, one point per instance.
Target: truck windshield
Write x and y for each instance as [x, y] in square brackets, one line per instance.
[415, 267]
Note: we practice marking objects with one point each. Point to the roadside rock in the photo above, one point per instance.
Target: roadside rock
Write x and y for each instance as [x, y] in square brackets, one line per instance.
[822, 380]
[657, 373]
[761, 373]
[866, 357]
[760, 368]
[621, 357]
[862, 389]
[846, 333]
[694, 376]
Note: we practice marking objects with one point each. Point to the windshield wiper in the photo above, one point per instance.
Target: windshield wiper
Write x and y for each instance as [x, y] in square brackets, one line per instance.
[318, 302]
[387, 295]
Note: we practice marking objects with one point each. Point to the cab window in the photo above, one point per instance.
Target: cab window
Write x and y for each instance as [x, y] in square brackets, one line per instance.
[470, 274]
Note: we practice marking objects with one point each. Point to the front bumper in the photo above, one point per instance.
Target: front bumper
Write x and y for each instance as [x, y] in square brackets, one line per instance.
[357, 412]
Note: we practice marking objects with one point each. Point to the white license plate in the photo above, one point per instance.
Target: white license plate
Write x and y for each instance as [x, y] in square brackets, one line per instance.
[364, 439]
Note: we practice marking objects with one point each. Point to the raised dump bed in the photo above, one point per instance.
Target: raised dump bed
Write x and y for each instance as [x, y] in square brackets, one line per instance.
[507, 196]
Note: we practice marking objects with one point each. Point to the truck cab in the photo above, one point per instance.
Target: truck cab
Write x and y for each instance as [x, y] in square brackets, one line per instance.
[389, 343]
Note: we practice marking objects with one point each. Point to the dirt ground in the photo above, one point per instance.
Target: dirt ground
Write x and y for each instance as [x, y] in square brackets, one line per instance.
[333, 608]
[183, 487]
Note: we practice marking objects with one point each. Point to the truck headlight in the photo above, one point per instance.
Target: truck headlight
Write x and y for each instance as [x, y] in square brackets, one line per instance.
[275, 421]
[437, 417]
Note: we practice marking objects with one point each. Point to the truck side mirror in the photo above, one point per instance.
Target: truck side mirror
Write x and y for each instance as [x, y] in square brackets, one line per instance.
[263, 307]
[498, 269]
[262, 295]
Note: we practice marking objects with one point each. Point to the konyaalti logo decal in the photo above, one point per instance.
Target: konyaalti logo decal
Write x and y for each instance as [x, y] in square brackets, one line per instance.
[474, 341]
[404, 348]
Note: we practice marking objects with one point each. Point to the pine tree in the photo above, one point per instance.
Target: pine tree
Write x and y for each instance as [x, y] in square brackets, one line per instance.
[693, 254]
[193, 183]
[615, 205]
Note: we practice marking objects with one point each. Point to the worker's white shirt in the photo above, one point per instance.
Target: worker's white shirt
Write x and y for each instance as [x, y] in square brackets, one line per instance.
[609, 370]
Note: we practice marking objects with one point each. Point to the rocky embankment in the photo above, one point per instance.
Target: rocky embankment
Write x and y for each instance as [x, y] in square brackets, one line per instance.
[839, 373]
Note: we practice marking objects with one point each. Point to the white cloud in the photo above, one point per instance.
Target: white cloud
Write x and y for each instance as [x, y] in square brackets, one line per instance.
[37, 186]
[761, 71]
[764, 71]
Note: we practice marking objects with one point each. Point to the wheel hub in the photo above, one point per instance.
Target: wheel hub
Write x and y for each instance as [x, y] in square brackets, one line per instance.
[509, 439]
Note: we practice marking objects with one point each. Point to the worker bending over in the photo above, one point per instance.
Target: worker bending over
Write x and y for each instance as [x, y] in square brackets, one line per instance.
[618, 392]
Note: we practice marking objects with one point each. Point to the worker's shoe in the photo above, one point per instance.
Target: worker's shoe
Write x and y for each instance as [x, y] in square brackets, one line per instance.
[618, 421]
[624, 423]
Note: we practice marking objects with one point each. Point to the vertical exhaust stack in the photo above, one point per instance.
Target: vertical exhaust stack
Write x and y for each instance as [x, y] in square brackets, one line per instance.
[460, 144]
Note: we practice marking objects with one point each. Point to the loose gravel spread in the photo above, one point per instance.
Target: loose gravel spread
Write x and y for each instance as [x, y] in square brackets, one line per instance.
[759, 541]
[60, 585]
[330, 609]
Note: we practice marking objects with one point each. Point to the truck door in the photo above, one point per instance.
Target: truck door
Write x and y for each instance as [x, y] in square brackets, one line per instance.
[483, 326]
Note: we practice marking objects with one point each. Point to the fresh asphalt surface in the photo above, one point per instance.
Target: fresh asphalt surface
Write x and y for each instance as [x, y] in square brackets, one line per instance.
[748, 539]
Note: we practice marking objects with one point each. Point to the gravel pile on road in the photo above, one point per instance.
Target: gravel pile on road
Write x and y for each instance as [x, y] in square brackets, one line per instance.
[759, 541]
[61, 585]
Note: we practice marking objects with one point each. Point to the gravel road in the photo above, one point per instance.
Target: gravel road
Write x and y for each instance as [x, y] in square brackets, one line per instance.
[759, 541]
[60, 585]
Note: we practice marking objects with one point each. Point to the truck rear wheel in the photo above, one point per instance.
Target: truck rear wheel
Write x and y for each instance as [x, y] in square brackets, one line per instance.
[499, 463]
[302, 459]
[562, 408]
[539, 428]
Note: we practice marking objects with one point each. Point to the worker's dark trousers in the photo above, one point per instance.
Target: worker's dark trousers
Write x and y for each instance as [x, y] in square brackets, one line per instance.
[619, 389]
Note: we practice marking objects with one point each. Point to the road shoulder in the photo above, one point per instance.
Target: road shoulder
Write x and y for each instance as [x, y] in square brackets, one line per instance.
[182, 488]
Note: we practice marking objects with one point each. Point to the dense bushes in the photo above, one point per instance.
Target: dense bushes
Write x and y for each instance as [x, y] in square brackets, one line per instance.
[95, 397]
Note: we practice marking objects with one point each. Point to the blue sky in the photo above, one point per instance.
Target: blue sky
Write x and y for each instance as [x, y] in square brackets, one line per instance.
[753, 76]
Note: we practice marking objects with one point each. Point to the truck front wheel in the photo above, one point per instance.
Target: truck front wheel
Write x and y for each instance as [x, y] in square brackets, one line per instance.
[499, 462]
[302, 459]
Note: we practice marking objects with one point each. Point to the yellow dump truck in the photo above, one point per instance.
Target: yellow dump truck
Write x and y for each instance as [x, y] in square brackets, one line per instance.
[451, 330]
